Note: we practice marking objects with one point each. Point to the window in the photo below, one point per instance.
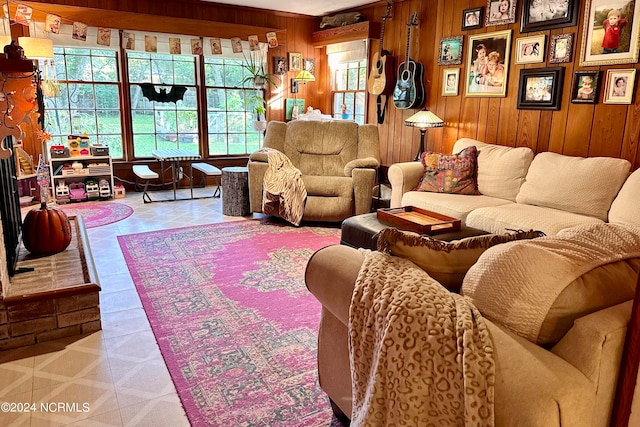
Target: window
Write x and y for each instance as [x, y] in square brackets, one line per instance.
[159, 124]
[229, 106]
[349, 90]
[89, 100]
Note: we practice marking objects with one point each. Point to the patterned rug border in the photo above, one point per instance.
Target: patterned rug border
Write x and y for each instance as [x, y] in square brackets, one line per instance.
[161, 333]
[104, 212]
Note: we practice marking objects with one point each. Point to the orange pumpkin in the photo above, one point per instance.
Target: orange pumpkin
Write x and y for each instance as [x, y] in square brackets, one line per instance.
[46, 231]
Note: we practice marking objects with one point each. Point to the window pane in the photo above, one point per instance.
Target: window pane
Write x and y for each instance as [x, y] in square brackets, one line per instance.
[57, 122]
[362, 81]
[109, 121]
[352, 79]
[185, 73]
[189, 101]
[107, 96]
[115, 144]
[218, 144]
[61, 101]
[143, 121]
[236, 122]
[143, 145]
[83, 121]
[162, 72]
[188, 121]
[360, 103]
[216, 99]
[81, 96]
[139, 70]
[214, 75]
[104, 69]
[217, 122]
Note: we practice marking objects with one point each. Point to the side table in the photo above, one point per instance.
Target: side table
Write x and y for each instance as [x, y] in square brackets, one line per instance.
[235, 191]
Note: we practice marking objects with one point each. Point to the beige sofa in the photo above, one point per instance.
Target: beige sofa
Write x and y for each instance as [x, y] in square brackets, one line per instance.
[338, 161]
[548, 192]
[568, 382]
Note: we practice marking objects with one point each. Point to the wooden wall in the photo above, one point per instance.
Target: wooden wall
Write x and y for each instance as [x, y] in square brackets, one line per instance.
[576, 129]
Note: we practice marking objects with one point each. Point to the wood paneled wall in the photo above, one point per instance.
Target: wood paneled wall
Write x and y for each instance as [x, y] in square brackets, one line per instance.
[576, 129]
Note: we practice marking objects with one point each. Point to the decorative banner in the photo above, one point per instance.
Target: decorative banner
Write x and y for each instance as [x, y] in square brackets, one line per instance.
[253, 43]
[151, 44]
[272, 39]
[196, 46]
[175, 48]
[129, 40]
[79, 31]
[52, 24]
[104, 36]
[236, 44]
[5, 8]
[216, 46]
[23, 14]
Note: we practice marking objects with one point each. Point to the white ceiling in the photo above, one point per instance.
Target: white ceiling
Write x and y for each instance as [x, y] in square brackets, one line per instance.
[304, 7]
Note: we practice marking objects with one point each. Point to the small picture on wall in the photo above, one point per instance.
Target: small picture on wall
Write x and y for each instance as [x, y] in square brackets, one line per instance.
[561, 48]
[279, 65]
[472, 18]
[530, 50]
[293, 107]
[619, 86]
[501, 12]
[540, 88]
[450, 51]
[295, 61]
[310, 65]
[488, 64]
[450, 81]
[584, 88]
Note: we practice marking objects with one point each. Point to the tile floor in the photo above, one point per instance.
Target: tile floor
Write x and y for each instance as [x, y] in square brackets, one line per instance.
[117, 372]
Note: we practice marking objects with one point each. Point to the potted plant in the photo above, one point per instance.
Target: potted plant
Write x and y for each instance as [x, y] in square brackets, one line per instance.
[255, 71]
[258, 108]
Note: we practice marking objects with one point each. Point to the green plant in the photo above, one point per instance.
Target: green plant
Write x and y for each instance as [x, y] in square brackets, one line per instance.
[257, 104]
[254, 66]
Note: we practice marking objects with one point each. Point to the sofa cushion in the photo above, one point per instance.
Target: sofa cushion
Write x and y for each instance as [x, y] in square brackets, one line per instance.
[537, 288]
[447, 262]
[575, 184]
[625, 208]
[457, 206]
[328, 186]
[498, 219]
[501, 170]
[454, 173]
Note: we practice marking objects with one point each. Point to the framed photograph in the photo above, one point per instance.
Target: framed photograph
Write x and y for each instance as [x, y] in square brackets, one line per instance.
[530, 50]
[450, 80]
[501, 12]
[310, 65]
[540, 15]
[619, 86]
[450, 50]
[293, 104]
[472, 18]
[585, 87]
[610, 33]
[279, 65]
[540, 88]
[295, 61]
[488, 64]
[561, 48]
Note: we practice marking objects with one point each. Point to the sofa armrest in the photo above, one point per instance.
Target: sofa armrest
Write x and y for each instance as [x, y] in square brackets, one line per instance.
[259, 156]
[331, 275]
[403, 177]
[257, 169]
[365, 163]
[363, 182]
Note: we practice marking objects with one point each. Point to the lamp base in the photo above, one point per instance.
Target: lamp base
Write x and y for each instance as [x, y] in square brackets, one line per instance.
[421, 148]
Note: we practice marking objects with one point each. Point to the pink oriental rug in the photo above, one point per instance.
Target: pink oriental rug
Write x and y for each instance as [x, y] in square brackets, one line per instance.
[234, 321]
[96, 214]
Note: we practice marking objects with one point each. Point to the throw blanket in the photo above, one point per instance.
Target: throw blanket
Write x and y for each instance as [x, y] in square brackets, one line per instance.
[283, 192]
[420, 355]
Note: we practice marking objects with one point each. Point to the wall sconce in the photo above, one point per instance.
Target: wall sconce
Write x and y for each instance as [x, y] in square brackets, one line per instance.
[423, 120]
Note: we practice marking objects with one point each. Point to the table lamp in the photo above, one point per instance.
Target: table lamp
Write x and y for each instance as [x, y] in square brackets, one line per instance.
[423, 120]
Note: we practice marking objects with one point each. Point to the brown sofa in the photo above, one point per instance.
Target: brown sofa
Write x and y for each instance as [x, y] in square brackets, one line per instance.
[568, 383]
[338, 161]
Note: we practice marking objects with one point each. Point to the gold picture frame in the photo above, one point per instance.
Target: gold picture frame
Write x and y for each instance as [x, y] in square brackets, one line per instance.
[295, 61]
[593, 51]
[619, 85]
[530, 50]
[450, 81]
[479, 81]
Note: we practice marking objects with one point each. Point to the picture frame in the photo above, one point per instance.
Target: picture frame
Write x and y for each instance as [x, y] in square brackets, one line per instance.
[592, 51]
[280, 65]
[585, 87]
[540, 88]
[290, 104]
[479, 80]
[450, 81]
[561, 48]
[473, 18]
[295, 61]
[500, 12]
[540, 15]
[530, 50]
[310, 65]
[450, 50]
[619, 85]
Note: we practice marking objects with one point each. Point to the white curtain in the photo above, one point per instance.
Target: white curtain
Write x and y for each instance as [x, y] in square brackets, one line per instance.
[340, 53]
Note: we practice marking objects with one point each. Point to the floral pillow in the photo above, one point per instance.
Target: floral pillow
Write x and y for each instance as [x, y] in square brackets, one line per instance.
[450, 173]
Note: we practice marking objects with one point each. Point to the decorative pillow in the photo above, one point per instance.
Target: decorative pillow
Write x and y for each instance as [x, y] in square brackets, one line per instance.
[446, 262]
[538, 288]
[450, 173]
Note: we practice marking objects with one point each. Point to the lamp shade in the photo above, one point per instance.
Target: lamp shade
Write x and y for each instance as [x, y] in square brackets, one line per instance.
[423, 120]
[4, 40]
[35, 48]
[305, 76]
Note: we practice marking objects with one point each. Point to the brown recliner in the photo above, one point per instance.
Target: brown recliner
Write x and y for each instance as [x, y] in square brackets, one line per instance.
[338, 161]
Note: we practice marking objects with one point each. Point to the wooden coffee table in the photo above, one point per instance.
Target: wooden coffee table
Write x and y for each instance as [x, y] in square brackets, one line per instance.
[360, 231]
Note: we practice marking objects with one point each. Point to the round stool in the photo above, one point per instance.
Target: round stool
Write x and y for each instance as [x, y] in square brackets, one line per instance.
[235, 191]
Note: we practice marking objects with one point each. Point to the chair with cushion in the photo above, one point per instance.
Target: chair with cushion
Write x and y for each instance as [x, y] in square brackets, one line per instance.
[338, 161]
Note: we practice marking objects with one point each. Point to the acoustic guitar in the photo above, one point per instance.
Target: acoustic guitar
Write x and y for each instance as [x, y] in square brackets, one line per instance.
[409, 90]
[383, 64]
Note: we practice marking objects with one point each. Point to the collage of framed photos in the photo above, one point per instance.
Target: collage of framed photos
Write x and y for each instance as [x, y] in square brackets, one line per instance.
[610, 36]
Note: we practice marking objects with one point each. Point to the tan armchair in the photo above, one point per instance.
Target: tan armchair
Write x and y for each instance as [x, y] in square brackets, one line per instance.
[338, 161]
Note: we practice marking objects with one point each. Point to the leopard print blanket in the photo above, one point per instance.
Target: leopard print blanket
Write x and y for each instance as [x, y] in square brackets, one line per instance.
[420, 355]
[283, 192]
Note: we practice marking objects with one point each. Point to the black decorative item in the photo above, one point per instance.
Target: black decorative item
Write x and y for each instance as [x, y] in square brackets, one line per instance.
[540, 88]
[174, 95]
[540, 15]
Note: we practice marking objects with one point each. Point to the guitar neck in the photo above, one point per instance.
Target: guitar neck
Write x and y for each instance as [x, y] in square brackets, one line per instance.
[384, 20]
[408, 44]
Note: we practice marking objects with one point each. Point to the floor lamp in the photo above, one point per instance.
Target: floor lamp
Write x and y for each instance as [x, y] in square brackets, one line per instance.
[423, 120]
